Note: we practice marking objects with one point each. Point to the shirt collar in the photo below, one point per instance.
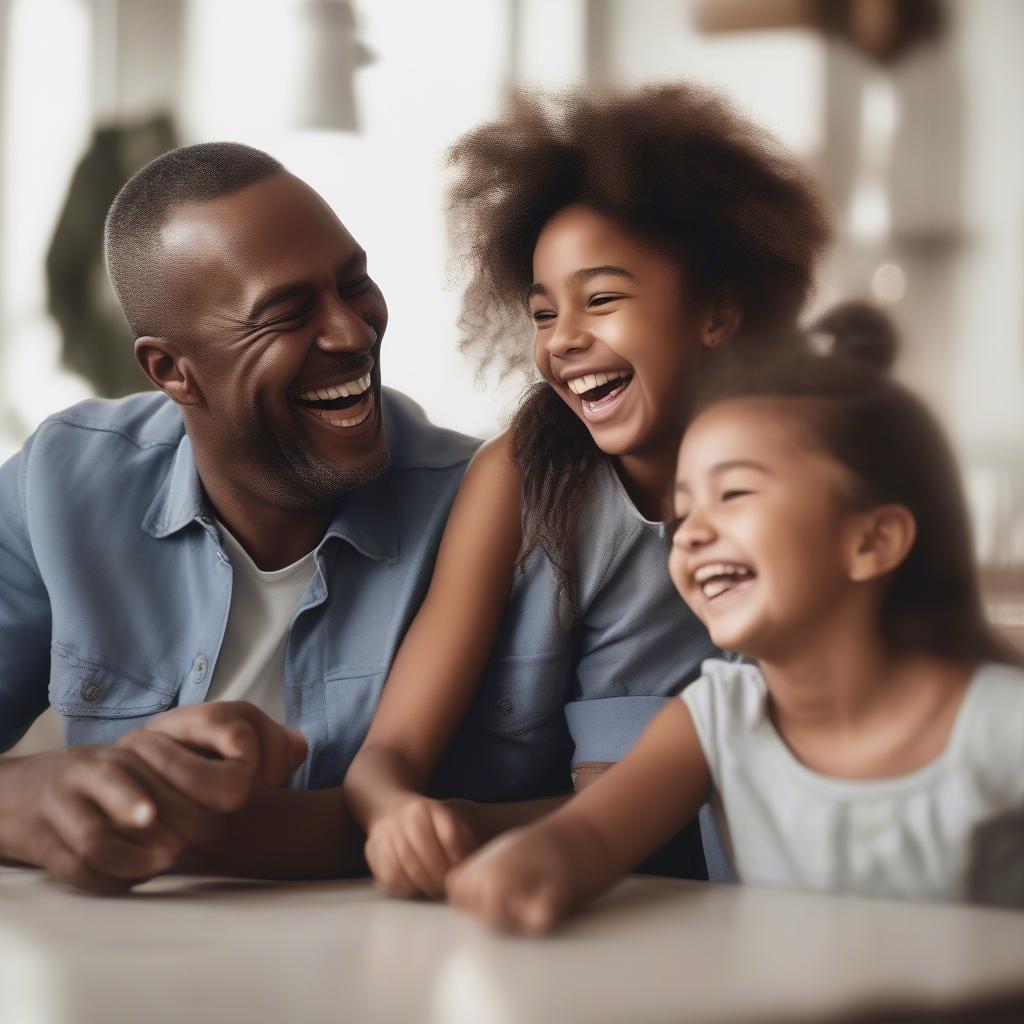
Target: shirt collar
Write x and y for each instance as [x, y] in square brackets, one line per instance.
[180, 499]
[365, 518]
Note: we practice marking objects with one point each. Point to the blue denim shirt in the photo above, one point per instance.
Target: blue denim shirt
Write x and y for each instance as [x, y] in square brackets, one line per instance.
[115, 590]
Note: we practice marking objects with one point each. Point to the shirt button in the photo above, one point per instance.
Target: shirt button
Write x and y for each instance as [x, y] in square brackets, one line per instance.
[505, 706]
[199, 667]
[90, 692]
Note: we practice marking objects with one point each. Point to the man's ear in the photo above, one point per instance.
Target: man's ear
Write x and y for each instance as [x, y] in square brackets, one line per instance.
[720, 323]
[879, 541]
[168, 369]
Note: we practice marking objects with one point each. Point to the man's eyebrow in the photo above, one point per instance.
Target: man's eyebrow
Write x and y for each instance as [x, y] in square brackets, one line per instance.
[581, 276]
[356, 263]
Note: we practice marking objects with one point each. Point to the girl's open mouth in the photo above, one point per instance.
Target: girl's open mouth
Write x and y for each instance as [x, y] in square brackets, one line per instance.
[601, 393]
[723, 579]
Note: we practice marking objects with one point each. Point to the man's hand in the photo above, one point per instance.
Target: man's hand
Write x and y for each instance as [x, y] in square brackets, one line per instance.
[106, 818]
[521, 882]
[87, 816]
[412, 849]
[246, 746]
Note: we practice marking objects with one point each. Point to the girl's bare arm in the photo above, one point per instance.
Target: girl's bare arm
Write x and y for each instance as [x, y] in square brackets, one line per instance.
[530, 878]
[433, 679]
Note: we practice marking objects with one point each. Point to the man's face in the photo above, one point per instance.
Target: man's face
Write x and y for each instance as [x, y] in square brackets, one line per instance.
[283, 328]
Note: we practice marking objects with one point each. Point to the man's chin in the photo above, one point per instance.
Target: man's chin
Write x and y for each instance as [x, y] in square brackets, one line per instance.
[324, 482]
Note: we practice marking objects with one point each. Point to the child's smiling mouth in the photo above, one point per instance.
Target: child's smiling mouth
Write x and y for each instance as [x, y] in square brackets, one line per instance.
[718, 578]
[600, 392]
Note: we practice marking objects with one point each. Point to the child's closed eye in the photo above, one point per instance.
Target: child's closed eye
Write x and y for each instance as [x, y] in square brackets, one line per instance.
[734, 493]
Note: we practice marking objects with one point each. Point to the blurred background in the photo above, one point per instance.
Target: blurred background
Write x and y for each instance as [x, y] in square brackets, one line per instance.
[910, 110]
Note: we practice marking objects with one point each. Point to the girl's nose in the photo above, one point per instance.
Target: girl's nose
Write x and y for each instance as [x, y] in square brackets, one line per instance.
[696, 532]
[568, 337]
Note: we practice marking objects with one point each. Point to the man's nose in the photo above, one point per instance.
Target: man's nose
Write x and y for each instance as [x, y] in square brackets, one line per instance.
[342, 329]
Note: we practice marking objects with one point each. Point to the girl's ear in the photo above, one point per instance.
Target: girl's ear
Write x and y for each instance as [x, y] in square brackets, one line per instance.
[721, 322]
[880, 539]
[168, 369]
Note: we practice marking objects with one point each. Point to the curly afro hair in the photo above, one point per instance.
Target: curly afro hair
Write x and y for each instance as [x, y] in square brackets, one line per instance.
[673, 164]
[679, 170]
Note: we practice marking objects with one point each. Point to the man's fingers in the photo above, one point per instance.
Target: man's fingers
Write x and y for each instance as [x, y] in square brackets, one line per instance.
[218, 728]
[108, 780]
[57, 858]
[90, 835]
[237, 730]
[414, 867]
[222, 785]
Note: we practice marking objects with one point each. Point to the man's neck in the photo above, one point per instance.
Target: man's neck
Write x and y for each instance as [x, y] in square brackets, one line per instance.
[273, 537]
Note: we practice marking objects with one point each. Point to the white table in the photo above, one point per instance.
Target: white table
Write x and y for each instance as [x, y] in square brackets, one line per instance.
[226, 951]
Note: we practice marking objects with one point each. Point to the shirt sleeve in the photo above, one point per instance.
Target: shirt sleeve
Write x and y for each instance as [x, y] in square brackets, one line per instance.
[24, 612]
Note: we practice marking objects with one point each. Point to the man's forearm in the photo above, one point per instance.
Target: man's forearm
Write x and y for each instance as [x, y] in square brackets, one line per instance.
[285, 833]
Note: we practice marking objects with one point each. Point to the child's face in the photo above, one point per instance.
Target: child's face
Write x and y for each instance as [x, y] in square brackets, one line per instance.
[760, 554]
[615, 336]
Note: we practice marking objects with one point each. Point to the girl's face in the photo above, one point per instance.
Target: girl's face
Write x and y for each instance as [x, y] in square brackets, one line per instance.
[615, 336]
[762, 534]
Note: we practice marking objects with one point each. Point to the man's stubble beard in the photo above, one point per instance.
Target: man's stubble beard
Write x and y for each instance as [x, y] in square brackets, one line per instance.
[304, 480]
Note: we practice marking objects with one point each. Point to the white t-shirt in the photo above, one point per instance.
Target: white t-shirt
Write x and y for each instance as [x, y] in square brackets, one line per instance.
[250, 665]
[913, 836]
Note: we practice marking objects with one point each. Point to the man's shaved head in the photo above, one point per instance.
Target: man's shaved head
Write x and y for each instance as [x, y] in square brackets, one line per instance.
[191, 174]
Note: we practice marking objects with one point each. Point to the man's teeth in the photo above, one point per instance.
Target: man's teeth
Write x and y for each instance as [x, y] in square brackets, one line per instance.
[331, 417]
[347, 390]
[589, 381]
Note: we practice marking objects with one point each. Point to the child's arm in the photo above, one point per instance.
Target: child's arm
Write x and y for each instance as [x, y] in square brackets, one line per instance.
[528, 879]
[412, 841]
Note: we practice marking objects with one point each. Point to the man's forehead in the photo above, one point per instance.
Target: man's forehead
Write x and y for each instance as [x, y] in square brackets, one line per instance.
[278, 225]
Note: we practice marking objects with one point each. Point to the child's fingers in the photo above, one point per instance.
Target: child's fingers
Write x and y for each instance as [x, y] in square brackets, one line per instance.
[455, 836]
[428, 881]
[535, 911]
[387, 869]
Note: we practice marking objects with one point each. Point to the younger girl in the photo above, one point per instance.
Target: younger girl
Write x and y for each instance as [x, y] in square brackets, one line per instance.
[618, 243]
[820, 529]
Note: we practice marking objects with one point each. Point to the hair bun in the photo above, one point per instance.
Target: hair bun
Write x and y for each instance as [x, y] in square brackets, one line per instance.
[858, 330]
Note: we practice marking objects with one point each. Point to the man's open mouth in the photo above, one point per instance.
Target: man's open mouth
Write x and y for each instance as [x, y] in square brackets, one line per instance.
[340, 405]
[720, 578]
[600, 392]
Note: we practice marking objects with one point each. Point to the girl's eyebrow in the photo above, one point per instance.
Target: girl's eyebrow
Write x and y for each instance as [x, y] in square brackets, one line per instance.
[683, 488]
[721, 467]
[581, 276]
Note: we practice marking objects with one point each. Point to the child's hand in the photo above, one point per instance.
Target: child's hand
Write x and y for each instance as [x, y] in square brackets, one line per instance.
[411, 850]
[520, 882]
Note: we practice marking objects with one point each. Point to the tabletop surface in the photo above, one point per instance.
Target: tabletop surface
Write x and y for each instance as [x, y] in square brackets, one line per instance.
[225, 950]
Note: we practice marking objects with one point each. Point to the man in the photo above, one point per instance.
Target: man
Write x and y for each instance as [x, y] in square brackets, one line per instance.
[271, 513]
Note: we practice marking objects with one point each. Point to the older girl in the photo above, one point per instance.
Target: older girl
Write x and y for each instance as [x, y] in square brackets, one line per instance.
[617, 243]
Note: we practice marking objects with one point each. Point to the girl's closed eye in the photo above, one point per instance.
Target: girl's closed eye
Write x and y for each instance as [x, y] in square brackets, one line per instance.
[735, 492]
[604, 299]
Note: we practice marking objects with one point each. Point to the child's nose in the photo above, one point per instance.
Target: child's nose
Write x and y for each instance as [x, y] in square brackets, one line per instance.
[696, 532]
[568, 337]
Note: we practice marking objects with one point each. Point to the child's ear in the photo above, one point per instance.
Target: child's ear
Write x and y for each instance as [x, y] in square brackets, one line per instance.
[880, 539]
[720, 323]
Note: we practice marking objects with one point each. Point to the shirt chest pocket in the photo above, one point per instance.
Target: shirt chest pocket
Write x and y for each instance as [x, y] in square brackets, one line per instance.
[88, 690]
[519, 694]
